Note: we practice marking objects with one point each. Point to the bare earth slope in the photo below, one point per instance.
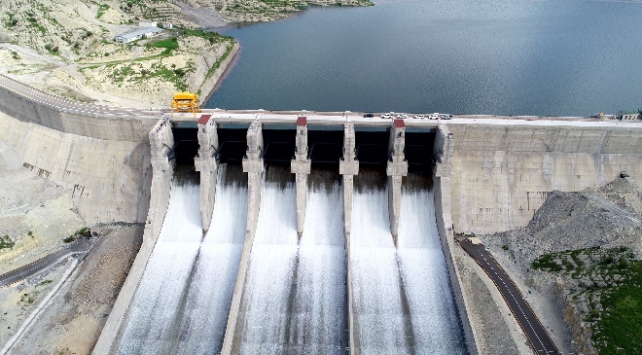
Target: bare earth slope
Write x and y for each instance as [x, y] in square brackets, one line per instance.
[601, 219]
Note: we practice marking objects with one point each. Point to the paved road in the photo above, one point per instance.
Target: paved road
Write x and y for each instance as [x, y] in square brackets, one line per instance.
[25, 271]
[531, 326]
[67, 105]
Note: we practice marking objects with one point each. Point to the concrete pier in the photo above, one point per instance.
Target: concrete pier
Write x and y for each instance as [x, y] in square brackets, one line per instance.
[349, 167]
[301, 167]
[397, 168]
[253, 166]
[205, 163]
[162, 142]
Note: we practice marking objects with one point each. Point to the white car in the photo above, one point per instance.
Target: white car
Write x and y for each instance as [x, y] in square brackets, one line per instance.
[402, 116]
[445, 117]
[434, 116]
[386, 116]
[419, 117]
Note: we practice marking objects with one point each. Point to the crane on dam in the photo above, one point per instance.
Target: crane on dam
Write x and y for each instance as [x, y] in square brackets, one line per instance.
[185, 102]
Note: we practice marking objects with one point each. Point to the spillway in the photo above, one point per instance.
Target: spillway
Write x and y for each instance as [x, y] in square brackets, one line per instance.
[294, 301]
[403, 302]
[183, 300]
[151, 323]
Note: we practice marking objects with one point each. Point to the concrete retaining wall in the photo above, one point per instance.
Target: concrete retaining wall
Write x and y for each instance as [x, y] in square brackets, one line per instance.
[109, 180]
[502, 174]
[442, 179]
[161, 138]
[121, 127]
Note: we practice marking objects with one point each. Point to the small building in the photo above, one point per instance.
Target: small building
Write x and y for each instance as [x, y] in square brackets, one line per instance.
[148, 24]
[167, 25]
[138, 34]
[627, 115]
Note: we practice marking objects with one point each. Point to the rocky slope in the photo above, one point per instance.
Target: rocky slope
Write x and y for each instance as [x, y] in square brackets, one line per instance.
[67, 47]
[578, 242]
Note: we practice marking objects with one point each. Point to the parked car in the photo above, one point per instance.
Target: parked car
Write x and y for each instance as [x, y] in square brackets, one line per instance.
[446, 117]
[434, 116]
[402, 116]
[419, 117]
[386, 116]
[368, 115]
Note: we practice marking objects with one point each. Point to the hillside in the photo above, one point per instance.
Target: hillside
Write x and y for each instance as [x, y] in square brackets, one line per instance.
[67, 47]
[579, 260]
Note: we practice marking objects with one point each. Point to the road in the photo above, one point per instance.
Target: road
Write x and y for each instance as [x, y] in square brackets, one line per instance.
[67, 105]
[528, 321]
[16, 275]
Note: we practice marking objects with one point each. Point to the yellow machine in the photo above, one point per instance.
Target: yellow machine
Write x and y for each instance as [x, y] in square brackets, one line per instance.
[185, 102]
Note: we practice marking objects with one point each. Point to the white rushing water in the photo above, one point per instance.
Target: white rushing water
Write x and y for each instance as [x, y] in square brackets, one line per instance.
[210, 292]
[183, 300]
[295, 300]
[151, 327]
[403, 303]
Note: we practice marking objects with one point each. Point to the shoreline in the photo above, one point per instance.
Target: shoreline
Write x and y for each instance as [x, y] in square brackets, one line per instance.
[226, 65]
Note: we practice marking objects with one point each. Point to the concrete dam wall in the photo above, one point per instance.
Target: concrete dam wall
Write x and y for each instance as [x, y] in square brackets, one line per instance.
[100, 154]
[486, 176]
[502, 173]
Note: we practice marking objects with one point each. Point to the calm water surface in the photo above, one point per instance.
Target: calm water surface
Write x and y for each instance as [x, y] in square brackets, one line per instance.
[557, 57]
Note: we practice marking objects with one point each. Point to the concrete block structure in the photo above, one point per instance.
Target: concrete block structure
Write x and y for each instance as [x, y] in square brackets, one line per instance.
[396, 169]
[205, 163]
[300, 166]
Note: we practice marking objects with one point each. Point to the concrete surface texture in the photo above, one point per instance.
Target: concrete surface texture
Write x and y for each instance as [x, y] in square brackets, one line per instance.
[161, 139]
[205, 163]
[301, 167]
[502, 174]
[108, 179]
[396, 169]
[28, 104]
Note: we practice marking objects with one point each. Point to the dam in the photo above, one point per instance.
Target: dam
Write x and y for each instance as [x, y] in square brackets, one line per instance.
[285, 238]
[307, 232]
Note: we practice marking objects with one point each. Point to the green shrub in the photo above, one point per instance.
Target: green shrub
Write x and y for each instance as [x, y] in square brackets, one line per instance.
[6, 242]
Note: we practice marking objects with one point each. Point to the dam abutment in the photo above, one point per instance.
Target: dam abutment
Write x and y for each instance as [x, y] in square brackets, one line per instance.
[161, 142]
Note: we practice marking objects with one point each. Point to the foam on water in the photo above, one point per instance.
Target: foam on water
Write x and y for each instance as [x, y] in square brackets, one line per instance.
[183, 300]
[210, 292]
[295, 298]
[403, 303]
[150, 324]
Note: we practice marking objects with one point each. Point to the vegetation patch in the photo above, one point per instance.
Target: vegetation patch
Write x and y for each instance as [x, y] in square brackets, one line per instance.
[12, 21]
[44, 283]
[6, 242]
[169, 45]
[81, 233]
[102, 8]
[611, 281]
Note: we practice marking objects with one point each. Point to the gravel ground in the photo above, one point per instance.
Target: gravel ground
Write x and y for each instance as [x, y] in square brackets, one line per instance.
[73, 320]
[607, 217]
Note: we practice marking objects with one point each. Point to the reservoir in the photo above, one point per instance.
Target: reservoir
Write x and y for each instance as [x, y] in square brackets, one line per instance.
[516, 57]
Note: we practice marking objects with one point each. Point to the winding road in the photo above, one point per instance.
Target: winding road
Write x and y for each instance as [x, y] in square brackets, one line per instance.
[528, 321]
[25, 271]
